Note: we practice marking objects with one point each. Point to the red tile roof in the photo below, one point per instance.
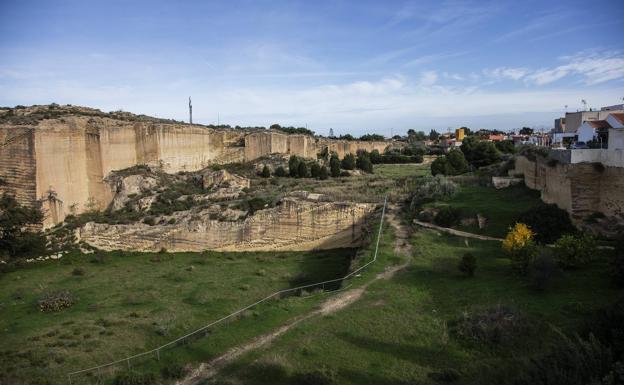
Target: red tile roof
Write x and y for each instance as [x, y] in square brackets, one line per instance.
[618, 116]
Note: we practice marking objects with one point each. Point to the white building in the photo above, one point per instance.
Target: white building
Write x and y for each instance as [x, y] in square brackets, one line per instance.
[588, 131]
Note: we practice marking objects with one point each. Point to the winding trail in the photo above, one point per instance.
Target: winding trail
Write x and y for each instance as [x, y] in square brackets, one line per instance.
[333, 304]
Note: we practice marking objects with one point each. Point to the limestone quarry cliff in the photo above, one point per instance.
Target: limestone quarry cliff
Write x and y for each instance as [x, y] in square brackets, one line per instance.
[61, 159]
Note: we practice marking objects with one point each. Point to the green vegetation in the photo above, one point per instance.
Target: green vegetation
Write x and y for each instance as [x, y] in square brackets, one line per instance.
[429, 324]
[452, 163]
[54, 321]
[499, 207]
[17, 239]
[480, 153]
[548, 222]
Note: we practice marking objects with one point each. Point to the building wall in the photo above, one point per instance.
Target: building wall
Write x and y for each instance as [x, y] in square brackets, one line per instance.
[581, 189]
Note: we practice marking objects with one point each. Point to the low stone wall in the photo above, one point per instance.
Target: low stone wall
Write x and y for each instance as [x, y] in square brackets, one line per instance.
[296, 224]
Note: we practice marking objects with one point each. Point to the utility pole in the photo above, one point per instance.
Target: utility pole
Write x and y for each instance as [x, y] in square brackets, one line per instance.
[190, 111]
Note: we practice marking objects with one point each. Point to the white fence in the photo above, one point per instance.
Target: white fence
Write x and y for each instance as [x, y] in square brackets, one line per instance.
[278, 294]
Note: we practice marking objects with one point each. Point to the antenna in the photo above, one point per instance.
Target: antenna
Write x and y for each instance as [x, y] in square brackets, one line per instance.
[584, 104]
[566, 108]
[190, 111]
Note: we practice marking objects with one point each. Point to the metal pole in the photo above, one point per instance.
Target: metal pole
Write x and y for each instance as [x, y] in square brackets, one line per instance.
[158, 354]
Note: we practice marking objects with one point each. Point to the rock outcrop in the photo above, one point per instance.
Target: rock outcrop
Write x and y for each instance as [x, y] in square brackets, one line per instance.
[301, 222]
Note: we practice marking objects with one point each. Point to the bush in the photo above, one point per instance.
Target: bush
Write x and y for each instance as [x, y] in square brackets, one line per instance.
[348, 162]
[468, 264]
[280, 171]
[78, 271]
[548, 222]
[573, 361]
[457, 161]
[438, 188]
[315, 170]
[149, 220]
[441, 166]
[323, 173]
[293, 166]
[134, 378]
[447, 216]
[572, 252]
[55, 301]
[334, 166]
[364, 163]
[16, 222]
[496, 325]
[520, 246]
[302, 170]
[375, 157]
[266, 172]
[480, 153]
[542, 270]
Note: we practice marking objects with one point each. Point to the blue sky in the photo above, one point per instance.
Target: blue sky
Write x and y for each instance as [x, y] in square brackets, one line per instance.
[356, 66]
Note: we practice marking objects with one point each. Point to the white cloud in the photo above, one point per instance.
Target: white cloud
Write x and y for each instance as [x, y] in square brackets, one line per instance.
[594, 69]
[506, 73]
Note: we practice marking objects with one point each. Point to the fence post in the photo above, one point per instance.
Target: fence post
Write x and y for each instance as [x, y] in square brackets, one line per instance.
[128, 364]
[69, 378]
[158, 354]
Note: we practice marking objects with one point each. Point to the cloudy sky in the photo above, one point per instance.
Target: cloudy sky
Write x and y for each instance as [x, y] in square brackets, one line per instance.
[356, 66]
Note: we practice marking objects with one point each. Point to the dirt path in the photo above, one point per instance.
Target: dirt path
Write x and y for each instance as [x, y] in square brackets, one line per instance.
[457, 232]
[331, 305]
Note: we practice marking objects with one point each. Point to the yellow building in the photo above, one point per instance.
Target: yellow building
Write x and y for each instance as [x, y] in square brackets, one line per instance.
[459, 134]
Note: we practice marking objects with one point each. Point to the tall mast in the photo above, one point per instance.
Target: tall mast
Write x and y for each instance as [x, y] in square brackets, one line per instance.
[190, 111]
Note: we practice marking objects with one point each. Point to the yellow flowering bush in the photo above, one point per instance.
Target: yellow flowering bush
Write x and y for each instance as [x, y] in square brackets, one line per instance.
[520, 246]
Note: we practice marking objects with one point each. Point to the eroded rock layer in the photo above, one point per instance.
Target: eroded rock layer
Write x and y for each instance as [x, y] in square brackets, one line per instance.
[296, 224]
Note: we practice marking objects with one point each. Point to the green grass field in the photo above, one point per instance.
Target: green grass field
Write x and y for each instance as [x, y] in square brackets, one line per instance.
[129, 302]
[399, 332]
[401, 170]
[500, 207]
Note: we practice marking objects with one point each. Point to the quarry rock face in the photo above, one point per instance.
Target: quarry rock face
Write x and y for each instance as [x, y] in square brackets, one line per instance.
[297, 223]
[61, 163]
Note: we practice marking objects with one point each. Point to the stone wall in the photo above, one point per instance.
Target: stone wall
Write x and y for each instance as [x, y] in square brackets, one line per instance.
[581, 188]
[297, 224]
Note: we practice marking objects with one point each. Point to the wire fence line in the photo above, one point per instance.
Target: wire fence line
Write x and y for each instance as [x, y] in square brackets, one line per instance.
[203, 329]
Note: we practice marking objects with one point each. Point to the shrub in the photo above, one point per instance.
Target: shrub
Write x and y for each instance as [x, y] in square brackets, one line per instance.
[542, 270]
[438, 188]
[572, 252]
[315, 170]
[479, 153]
[348, 162]
[55, 301]
[495, 325]
[302, 170]
[266, 172]
[364, 163]
[447, 216]
[78, 271]
[375, 157]
[573, 361]
[323, 173]
[520, 246]
[16, 237]
[345, 173]
[457, 162]
[134, 378]
[280, 171]
[149, 220]
[293, 166]
[334, 166]
[468, 264]
[441, 166]
[548, 222]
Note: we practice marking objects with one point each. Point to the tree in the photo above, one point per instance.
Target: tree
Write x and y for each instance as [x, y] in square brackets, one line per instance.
[280, 171]
[302, 170]
[323, 173]
[548, 222]
[334, 166]
[372, 137]
[315, 170]
[293, 166]
[331, 133]
[275, 126]
[506, 146]
[457, 161]
[17, 239]
[348, 162]
[468, 264]
[364, 163]
[441, 166]
[572, 252]
[266, 172]
[433, 135]
[520, 246]
[375, 157]
[479, 153]
[526, 131]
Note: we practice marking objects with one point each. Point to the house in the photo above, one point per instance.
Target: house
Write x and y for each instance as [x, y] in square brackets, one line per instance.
[574, 120]
[616, 120]
[589, 131]
[460, 134]
[496, 138]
